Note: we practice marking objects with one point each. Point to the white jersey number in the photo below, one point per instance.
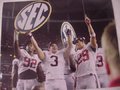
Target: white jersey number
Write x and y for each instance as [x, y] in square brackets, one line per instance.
[29, 62]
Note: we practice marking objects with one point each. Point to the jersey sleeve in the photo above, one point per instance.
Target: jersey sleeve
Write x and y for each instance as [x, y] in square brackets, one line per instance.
[40, 73]
[14, 72]
[90, 47]
[15, 62]
[46, 54]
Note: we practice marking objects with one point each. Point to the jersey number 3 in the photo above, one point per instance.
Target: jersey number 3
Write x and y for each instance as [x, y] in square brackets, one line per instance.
[55, 58]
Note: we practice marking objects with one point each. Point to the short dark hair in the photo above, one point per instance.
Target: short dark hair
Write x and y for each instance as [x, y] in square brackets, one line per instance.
[51, 43]
[79, 38]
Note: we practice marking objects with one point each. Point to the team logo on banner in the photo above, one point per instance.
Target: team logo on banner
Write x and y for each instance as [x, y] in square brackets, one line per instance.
[65, 26]
[32, 16]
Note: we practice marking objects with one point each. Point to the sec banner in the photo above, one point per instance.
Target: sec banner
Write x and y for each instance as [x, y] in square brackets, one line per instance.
[32, 16]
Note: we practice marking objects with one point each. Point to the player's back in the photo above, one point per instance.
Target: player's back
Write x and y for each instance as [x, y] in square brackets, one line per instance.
[15, 63]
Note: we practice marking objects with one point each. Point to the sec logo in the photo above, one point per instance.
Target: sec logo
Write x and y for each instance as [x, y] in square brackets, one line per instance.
[32, 16]
[64, 27]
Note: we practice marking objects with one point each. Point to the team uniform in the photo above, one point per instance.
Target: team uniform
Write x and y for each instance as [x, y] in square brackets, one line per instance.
[27, 73]
[69, 77]
[101, 69]
[54, 71]
[85, 75]
[14, 73]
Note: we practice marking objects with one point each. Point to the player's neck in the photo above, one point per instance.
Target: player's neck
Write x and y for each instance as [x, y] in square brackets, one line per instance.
[54, 52]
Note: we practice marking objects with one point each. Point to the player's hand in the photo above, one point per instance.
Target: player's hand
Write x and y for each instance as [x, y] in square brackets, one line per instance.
[68, 32]
[28, 34]
[16, 31]
[87, 20]
[41, 86]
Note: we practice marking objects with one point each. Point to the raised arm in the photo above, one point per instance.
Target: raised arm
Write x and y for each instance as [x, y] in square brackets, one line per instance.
[68, 49]
[69, 43]
[91, 32]
[17, 48]
[41, 54]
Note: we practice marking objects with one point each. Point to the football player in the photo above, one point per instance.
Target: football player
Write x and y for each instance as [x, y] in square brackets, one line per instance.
[85, 75]
[27, 66]
[54, 61]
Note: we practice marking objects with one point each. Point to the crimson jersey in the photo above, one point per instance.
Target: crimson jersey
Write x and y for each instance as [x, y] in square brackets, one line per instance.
[27, 62]
[54, 64]
[100, 62]
[85, 59]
